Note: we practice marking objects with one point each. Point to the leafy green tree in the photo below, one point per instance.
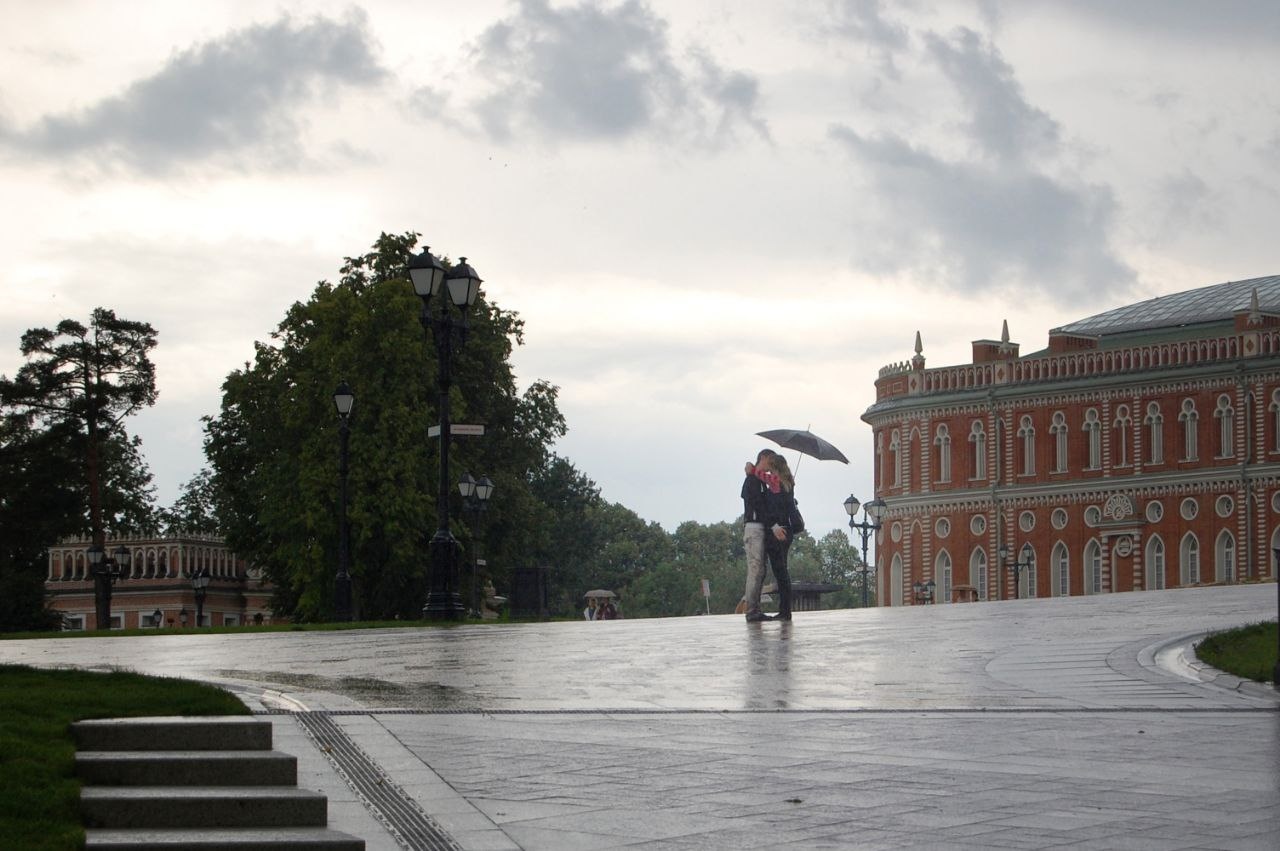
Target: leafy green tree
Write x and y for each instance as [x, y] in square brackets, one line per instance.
[194, 511]
[83, 382]
[273, 447]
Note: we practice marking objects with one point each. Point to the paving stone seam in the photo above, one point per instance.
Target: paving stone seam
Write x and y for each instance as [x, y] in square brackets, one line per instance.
[399, 812]
[932, 710]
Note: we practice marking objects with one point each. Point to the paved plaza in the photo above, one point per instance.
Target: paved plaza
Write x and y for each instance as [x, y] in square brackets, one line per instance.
[1082, 722]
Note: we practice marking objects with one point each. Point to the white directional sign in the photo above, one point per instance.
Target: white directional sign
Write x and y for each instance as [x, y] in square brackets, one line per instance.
[457, 429]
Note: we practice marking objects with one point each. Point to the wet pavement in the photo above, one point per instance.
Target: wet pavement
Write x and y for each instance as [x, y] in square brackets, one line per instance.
[1041, 723]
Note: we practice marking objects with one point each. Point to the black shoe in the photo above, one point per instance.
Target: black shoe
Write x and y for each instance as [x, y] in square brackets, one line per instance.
[781, 616]
[757, 616]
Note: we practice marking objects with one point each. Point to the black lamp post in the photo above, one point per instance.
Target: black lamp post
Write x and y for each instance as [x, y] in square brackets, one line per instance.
[200, 585]
[182, 617]
[105, 571]
[923, 592]
[157, 618]
[475, 501]
[872, 512]
[343, 400]
[462, 285]
[1016, 566]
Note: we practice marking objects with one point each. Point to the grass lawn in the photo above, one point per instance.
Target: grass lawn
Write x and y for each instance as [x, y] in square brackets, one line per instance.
[1248, 652]
[39, 794]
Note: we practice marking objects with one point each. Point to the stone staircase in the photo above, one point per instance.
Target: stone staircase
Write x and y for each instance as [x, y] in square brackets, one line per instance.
[212, 784]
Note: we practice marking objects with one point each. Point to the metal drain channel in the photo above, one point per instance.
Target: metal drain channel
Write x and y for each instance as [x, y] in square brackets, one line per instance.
[407, 821]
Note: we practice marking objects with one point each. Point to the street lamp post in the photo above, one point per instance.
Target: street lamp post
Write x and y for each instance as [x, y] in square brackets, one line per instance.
[475, 501]
[923, 592]
[105, 571]
[462, 285]
[200, 585]
[182, 617]
[343, 400]
[157, 618]
[1016, 566]
[872, 512]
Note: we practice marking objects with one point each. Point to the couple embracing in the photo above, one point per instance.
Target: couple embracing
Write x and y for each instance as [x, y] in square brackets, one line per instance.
[770, 520]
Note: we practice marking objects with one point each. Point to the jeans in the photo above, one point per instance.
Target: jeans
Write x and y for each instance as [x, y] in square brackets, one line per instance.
[753, 541]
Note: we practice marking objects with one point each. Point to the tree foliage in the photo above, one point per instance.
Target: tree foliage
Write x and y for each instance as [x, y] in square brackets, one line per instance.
[273, 447]
[68, 465]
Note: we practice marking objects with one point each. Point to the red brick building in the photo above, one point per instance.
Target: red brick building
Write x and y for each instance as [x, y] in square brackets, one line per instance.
[1139, 450]
[159, 581]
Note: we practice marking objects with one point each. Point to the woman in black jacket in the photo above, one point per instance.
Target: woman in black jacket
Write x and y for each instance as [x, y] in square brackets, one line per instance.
[779, 532]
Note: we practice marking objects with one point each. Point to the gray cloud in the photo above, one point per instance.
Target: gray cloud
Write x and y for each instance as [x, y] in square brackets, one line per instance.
[1226, 21]
[974, 225]
[864, 21]
[599, 73]
[1001, 121]
[233, 99]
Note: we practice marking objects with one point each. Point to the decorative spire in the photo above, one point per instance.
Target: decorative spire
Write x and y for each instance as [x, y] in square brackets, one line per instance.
[1004, 333]
[917, 362]
[1255, 312]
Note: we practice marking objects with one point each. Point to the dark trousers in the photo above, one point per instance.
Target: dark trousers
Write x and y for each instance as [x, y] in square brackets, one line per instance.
[776, 551]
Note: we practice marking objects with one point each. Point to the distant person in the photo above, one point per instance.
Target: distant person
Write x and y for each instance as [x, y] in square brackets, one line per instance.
[589, 613]
[608, 611]
[783, 525]
[755, 511]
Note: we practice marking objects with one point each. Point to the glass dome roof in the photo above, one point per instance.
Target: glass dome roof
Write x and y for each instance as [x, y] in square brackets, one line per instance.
[1204, 304]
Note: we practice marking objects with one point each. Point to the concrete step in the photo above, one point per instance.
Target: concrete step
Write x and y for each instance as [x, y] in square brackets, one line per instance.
[186, 768]
[173, 733]
[240, 839]
[202, 806]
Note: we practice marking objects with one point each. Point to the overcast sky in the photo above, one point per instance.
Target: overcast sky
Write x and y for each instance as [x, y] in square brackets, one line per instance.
[716, 217]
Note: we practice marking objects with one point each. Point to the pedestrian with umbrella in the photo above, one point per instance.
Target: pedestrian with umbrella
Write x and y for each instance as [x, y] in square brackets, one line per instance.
[755, 514]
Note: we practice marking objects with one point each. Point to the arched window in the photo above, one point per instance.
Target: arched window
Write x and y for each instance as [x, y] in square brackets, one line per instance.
[1275, 420]
[1225, 414]
[1027, 434]
[1189, 560]
[942, 451]
[895, 580]
[942, 575]
[1093, 431]
[1001, 431]
[1120, 443]
[978, 571]
[1060, 571]
[978, 444]
[1190, 431]
[895, 449]
[1153, 563]
[1154, 422]
[1058, 428]
[1027, 576]
[1092, 568]
[879, 460]
[1224, 558]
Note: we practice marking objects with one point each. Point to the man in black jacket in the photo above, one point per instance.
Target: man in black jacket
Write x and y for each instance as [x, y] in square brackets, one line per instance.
[755, 516]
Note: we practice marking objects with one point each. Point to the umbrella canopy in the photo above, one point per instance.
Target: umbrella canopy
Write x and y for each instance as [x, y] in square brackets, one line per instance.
[600, 593]
[805, 442]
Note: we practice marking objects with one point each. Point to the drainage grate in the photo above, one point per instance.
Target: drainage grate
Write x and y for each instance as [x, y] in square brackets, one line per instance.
[407, 821]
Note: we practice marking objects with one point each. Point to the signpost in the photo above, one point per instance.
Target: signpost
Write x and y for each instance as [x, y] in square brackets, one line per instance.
[457, 429]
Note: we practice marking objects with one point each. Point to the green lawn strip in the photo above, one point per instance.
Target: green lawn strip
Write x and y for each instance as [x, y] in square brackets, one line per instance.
[39, 794]
[1248, 652]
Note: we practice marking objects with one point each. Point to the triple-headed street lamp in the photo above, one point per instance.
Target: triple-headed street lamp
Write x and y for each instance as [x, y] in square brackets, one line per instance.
[343, 400]
[924, 592]
[872, 512]
[106, 571]
[475, 501]
[462, 285]
[1017, 567]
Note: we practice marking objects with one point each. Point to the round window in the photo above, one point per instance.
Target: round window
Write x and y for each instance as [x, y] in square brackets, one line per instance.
[1059, 518]
[1092, 515]
[1189, 508]
[943, 527]
[895, 532]
[978, 524]
[1026, 521]
[1155, 511]
[1275, 501]
[1224, 506]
